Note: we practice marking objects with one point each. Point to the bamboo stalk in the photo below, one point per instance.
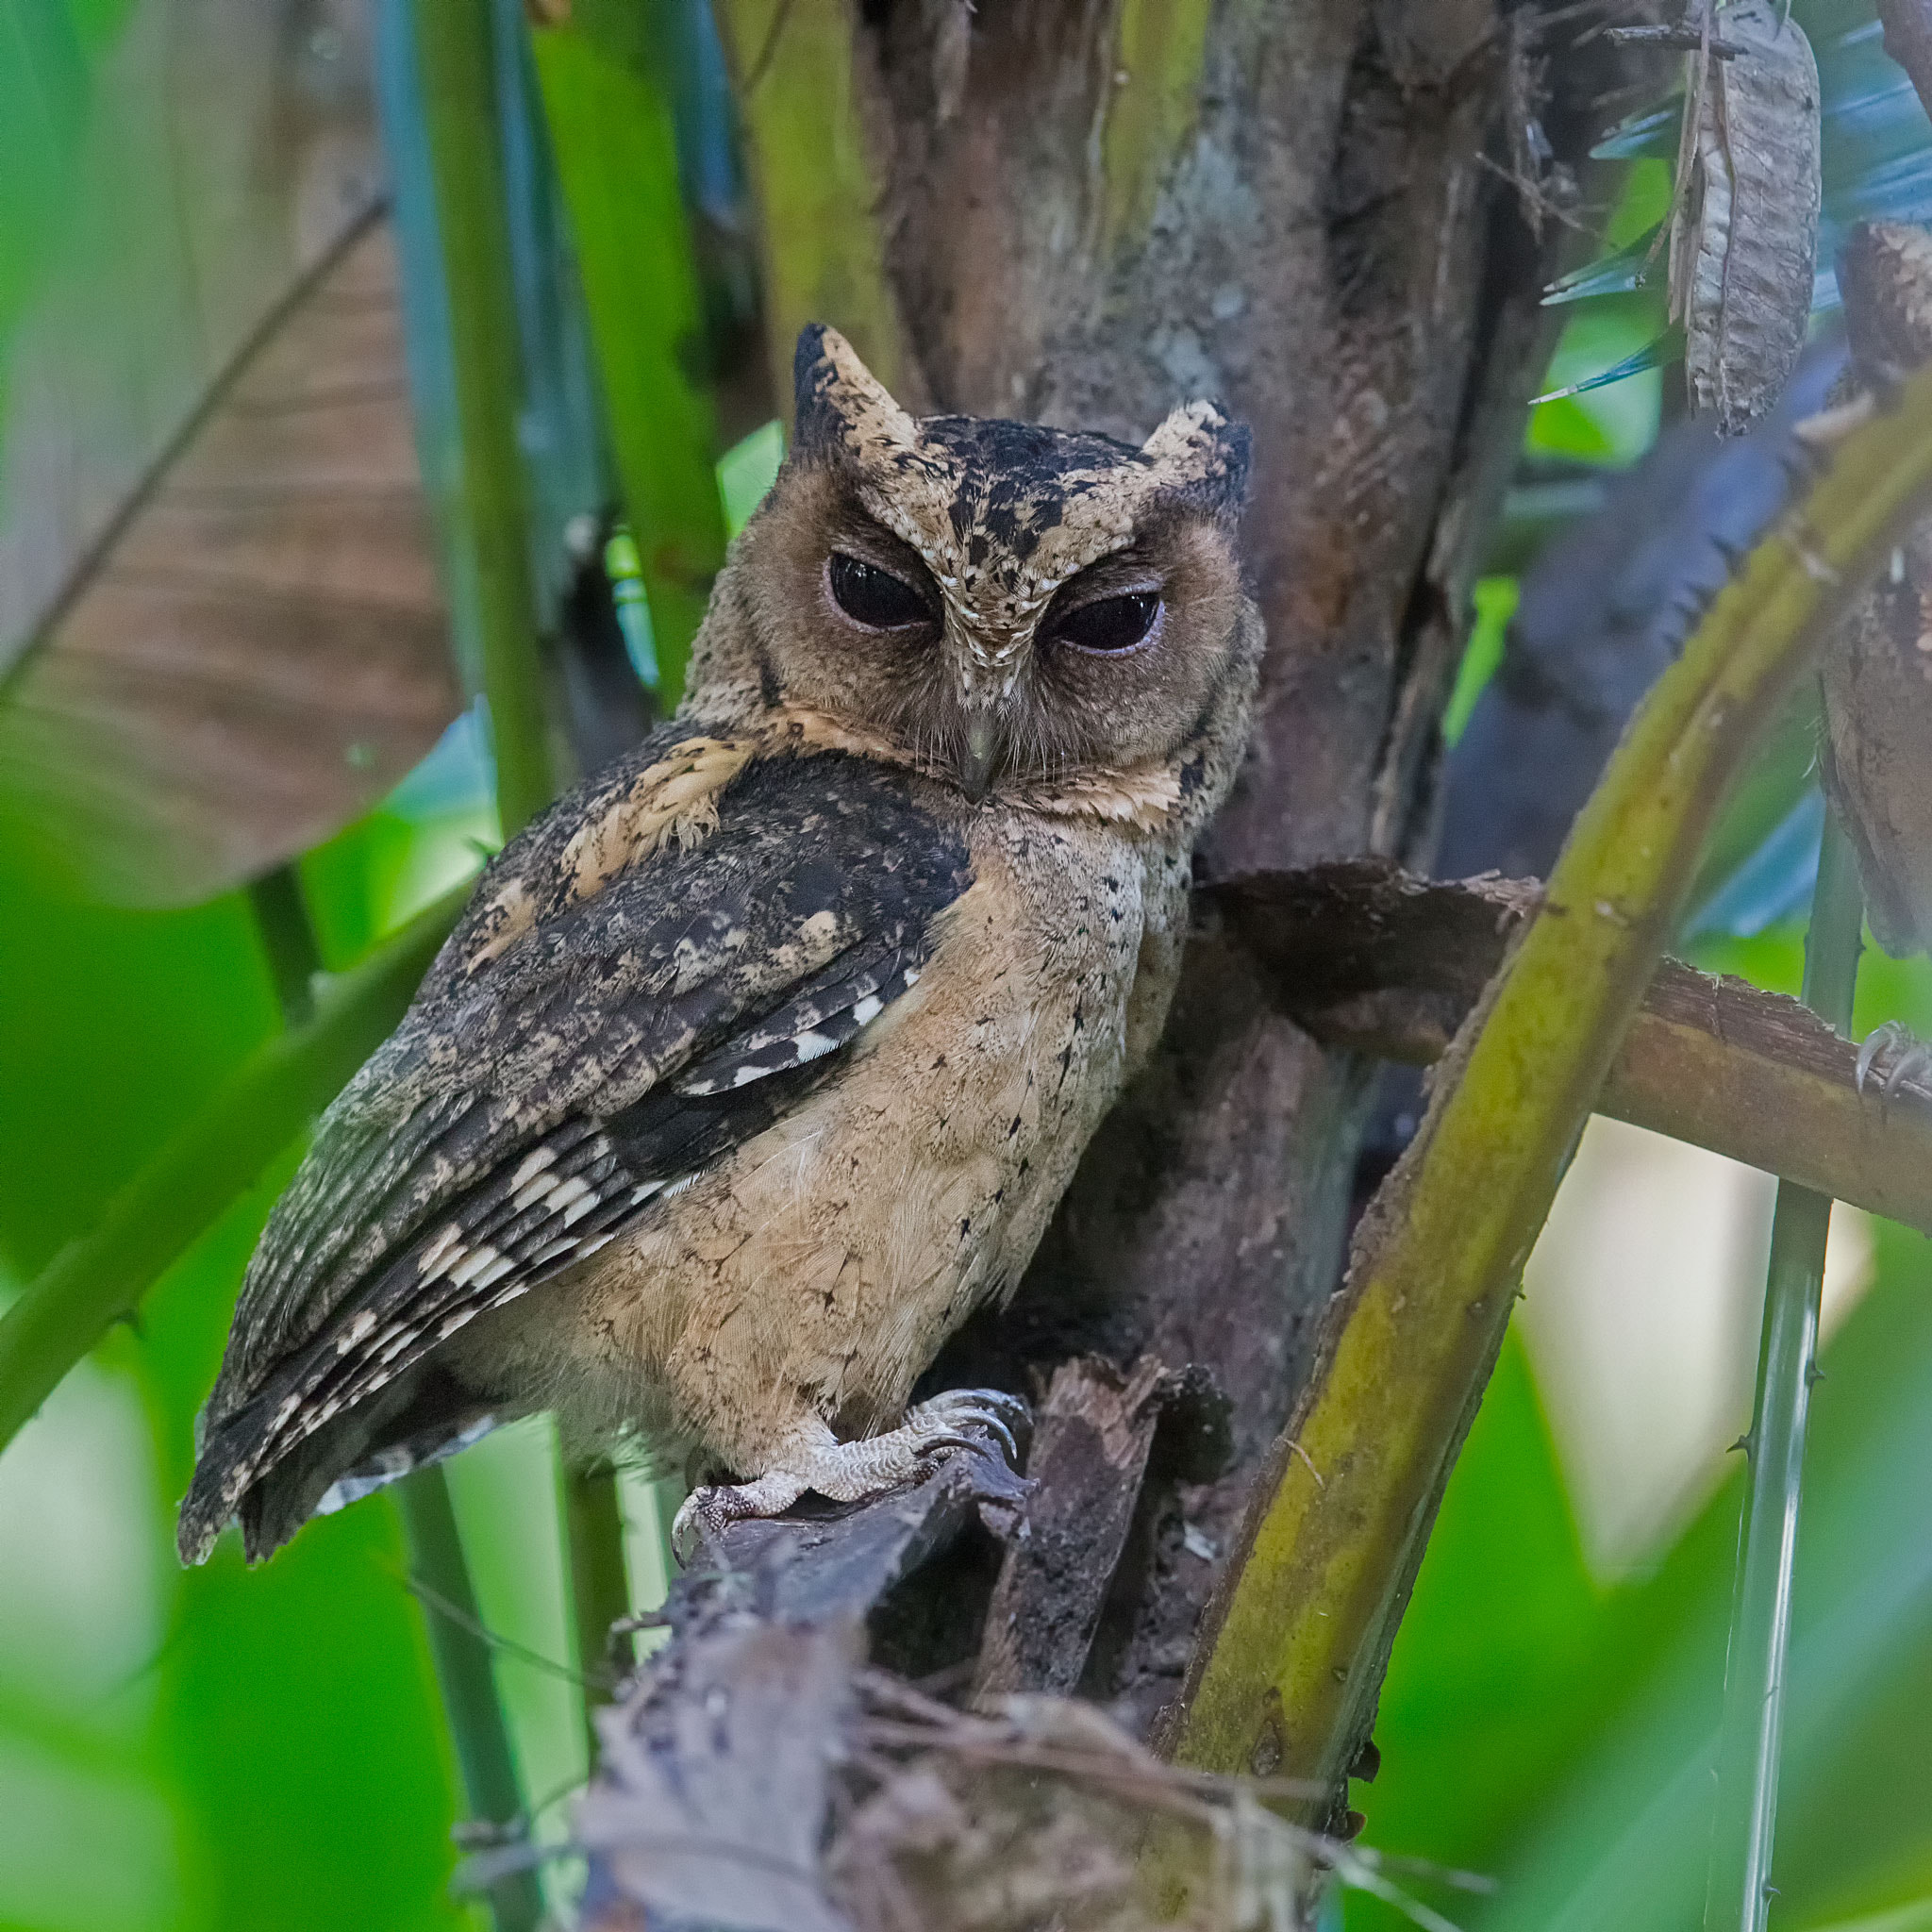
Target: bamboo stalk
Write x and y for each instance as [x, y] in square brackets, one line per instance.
[1739, 1889]
[454, 52]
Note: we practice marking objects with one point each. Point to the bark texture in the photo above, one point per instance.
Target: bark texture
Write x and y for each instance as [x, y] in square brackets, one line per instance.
[1085, 211]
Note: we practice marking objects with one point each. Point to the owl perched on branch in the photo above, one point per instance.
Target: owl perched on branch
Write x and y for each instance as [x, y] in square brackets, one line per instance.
[761, 1061]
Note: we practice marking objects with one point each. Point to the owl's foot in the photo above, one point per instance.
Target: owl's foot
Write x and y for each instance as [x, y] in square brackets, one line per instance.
[1908, 1059]
[851, 1471]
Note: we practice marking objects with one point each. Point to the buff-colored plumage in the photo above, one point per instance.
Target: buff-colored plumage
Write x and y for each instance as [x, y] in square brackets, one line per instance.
[762, 1061]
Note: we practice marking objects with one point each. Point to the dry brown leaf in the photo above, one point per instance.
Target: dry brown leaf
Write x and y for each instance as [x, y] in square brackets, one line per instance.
[220, 552]
[1744, 235]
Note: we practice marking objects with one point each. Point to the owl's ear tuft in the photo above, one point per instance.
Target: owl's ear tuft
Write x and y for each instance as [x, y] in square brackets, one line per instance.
[1202, 458]
[841, 408]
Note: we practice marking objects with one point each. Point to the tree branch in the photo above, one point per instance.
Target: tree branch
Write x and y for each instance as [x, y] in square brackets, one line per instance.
[1368, 956]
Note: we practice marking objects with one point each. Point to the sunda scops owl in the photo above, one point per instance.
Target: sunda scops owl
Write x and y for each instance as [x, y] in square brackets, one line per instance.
[761, 1060]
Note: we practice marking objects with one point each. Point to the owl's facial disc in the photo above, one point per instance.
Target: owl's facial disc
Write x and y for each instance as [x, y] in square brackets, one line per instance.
[998, 602]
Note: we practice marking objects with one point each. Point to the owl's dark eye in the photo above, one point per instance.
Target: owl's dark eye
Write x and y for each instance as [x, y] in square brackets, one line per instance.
[873, 596]
[1109, 625]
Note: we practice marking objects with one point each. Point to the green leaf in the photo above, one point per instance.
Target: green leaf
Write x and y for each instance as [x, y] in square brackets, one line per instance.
[101, 1277]
[1495, 600]
[1621, 1840]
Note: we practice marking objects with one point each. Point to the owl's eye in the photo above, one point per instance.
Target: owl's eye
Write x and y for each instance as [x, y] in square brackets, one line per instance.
[1109, 626]
[875, 597]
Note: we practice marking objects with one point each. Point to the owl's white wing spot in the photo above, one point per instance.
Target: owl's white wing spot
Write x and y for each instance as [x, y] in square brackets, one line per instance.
[533, 1163]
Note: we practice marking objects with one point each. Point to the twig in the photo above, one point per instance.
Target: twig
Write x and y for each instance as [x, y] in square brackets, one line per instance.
[768, 49]
[446, 1604]
[1738, 1888]
[467, 1682]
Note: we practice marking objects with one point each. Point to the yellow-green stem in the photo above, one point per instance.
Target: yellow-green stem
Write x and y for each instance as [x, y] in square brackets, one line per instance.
[1292, 1659]
[821, 243]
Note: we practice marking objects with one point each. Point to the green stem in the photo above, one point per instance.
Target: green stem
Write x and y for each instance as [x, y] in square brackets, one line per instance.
[612, 133]
[1739, 1893]
[460, 115]
[454, 51]
[468, 1682]
[281, 919]
[153, 1220]
[600, 1586]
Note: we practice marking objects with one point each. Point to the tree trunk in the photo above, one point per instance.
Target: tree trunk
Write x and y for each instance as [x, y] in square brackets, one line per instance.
[1082, 211]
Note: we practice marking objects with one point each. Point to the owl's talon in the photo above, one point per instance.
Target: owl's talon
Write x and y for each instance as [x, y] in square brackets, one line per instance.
[1913, 1061]
[854, 1472]
[993, 1409]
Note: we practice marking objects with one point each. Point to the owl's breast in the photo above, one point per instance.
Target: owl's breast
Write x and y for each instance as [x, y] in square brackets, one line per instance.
[835, 1252]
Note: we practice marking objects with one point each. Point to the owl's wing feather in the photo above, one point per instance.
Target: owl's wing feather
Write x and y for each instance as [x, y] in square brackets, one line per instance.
[549, 1087]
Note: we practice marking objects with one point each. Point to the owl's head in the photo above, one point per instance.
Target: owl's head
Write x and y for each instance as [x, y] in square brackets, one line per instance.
[996, 602]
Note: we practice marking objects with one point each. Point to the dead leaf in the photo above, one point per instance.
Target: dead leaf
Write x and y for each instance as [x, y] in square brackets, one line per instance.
[1744, 234]
[216, 566]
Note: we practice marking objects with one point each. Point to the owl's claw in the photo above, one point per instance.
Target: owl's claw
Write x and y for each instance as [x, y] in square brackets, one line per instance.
[852, 1472]
[1914, 1057]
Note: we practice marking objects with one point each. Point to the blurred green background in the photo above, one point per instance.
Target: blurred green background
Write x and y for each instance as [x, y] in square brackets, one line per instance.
[181, 1752]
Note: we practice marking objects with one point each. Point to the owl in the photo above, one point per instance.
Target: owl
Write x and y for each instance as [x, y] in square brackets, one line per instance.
[760, 1061]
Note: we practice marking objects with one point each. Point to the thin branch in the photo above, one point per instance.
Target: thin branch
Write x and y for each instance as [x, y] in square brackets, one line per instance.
[448, 1605]
[1738, 1891]
[1372, 959]
[1294, 1648]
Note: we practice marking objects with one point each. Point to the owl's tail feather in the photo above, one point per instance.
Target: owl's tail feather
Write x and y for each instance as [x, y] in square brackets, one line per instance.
[417, 1421]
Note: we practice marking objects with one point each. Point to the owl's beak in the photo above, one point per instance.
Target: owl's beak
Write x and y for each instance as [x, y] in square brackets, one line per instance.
[980, 760]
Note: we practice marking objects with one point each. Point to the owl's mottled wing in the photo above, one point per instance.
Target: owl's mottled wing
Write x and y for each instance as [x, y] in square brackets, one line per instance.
[657, 971]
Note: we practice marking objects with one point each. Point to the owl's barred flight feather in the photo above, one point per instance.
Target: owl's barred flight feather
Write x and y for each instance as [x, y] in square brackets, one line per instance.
[536, 1099]
[762, 1059]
